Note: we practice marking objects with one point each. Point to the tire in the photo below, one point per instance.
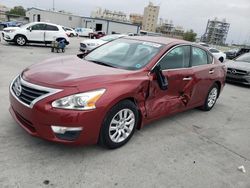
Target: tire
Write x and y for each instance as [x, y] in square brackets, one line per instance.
[211, 98]
[115, 132]
[20, 40]
[221, 59]
[71, 35]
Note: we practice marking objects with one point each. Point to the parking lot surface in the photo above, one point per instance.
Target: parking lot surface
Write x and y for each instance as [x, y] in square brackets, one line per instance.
[190, 149]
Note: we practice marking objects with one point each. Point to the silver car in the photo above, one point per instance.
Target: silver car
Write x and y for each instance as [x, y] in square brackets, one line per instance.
[238, 70]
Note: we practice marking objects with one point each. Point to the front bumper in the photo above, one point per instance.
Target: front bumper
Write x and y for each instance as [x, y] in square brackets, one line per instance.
[37, 121]
[86, 48]
[238, 79]
[8, 36]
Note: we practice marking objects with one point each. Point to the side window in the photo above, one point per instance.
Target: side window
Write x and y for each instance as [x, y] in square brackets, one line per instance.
[51, 28]
[38, 27]
[177, 58]
[210, 58]
[199, 56]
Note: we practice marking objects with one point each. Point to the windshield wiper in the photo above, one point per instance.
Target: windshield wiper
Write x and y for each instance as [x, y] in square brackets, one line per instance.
[102, 63]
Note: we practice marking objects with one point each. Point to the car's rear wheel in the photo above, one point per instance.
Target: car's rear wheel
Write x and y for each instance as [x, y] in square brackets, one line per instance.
[211, 98]
[71, 35]
[119, 124]
[20, 40]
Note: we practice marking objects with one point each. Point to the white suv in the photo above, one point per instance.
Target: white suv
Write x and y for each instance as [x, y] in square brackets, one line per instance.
[36, 32]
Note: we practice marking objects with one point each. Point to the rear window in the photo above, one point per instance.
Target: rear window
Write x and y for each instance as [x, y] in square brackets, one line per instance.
[51, 28]
[199, 56]
[210, 58]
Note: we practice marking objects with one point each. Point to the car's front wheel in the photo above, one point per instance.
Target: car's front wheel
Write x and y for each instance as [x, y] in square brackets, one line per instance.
[119, 124]
[20, 40]
[211, 98]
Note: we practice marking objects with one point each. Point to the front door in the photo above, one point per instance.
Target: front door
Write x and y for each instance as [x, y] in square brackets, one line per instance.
[175, 65]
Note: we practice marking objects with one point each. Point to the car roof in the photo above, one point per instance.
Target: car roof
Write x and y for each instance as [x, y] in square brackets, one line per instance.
[45, 23]
[156, 39]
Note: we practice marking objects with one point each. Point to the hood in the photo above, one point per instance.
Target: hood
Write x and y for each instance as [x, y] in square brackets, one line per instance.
[70, 71]
[94, 41]
[11, 28]
[241, 65]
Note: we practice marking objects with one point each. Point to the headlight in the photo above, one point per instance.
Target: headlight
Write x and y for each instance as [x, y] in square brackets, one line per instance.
[80, 101]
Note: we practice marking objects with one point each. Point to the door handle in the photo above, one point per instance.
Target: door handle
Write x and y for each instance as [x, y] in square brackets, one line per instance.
[187, 78]
[211, 71]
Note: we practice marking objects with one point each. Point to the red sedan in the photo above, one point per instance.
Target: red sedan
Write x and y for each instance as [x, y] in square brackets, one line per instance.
[103, 96]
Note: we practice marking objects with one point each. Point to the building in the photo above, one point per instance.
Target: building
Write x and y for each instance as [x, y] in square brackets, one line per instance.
[110, 15]
[216, 32]
[179, 31]
[74, 21]
[60, 18]
[150, 17]
[136, 19]
[3, 10]
[168, 29]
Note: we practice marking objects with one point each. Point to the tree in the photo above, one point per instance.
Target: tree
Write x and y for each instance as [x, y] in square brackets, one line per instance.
[17, 10]
[189, 35]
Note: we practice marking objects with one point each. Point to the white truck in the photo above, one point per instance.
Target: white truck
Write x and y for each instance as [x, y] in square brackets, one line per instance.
[83, 32]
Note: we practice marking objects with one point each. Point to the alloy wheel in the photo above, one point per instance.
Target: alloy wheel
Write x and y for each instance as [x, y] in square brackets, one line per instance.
[20, 41]
[212, 97]
[122, 125]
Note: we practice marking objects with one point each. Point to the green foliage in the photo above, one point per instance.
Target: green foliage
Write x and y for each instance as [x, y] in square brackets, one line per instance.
[189, 35]
[17, 10]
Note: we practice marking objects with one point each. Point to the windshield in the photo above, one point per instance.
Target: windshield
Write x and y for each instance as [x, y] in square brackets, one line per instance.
[244, 57]
[125, 53]
[110, 37]
[26, 25]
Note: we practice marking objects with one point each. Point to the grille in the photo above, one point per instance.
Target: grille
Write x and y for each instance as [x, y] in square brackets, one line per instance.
[237, 79]
[25, 93]
[236, 71]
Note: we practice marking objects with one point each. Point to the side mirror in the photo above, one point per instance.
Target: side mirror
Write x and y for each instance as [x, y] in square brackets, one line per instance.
[30, 29]
[161, 79]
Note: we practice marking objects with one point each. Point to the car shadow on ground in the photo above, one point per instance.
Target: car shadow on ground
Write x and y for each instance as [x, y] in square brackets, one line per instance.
[28, 45]
[37, 143]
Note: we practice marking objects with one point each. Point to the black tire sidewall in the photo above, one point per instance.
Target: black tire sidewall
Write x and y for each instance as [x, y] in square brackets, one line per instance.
[104, 134]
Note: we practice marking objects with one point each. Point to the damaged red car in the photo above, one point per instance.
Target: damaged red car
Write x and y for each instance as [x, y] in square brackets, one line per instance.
[105, 95]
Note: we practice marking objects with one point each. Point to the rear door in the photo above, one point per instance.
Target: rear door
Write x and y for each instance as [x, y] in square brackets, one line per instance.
[204, 74]
[36, 32]
[51, 32]
[176, 68]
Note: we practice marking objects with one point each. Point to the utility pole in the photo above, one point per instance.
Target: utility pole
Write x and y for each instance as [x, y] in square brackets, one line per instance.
[53, 5]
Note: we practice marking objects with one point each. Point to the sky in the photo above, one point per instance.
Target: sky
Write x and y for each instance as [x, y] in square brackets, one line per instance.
[191, 14]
